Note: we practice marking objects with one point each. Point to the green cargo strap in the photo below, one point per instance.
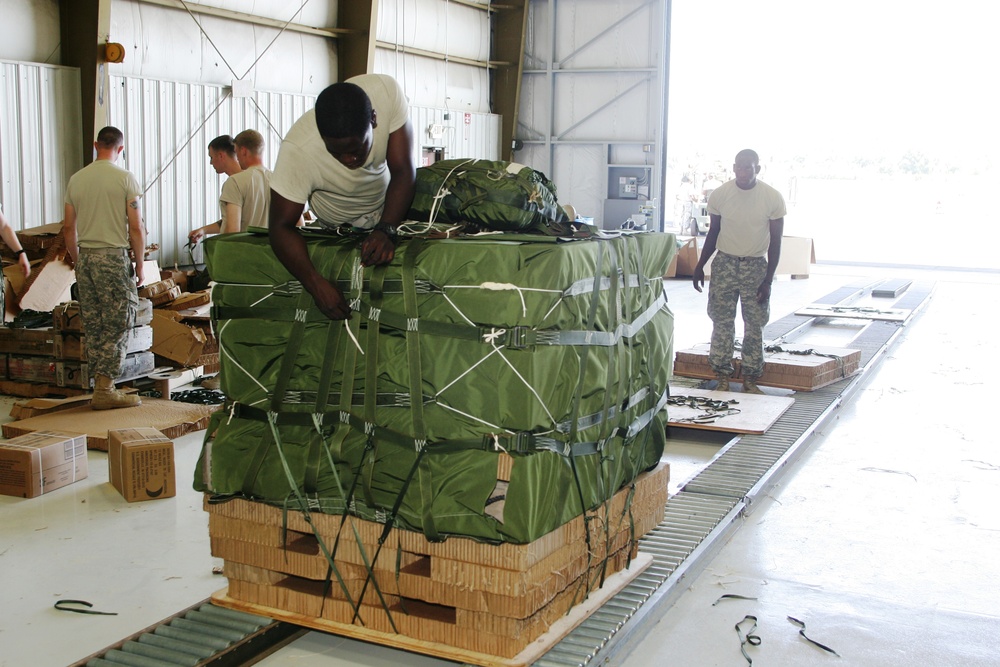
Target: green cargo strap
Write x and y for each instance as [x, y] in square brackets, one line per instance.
[371, 380]
[303, 506]
[614, 358]
[583, 353]
[516, 338]
[333, 331]
[416, 382]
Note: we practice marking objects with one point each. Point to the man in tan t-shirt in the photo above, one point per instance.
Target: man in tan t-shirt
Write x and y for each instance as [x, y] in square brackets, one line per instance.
[101, 224]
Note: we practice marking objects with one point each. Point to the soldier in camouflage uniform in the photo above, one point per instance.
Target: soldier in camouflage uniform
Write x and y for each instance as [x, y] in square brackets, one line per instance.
[747, 220]
[102, 222]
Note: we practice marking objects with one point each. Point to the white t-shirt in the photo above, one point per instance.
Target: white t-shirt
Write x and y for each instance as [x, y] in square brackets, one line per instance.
[306, 172]
[745, 215]
[250, 189]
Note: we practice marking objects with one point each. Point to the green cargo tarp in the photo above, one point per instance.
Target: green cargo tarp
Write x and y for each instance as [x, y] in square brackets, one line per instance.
[461, 350]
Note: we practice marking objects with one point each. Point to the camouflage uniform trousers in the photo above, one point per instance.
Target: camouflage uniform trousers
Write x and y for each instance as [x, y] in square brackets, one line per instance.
[109, 301]
[737, 279]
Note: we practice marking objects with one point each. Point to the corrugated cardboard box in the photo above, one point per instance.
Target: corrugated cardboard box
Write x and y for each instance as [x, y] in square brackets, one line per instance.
[141, 464]
[39, 462]
[175, 340]
[682, 265]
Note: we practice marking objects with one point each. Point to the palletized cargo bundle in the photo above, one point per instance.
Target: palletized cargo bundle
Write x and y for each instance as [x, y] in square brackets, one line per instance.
[461, 350]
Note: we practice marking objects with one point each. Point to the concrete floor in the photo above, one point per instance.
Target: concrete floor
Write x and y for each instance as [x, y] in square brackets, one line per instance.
[881, 537]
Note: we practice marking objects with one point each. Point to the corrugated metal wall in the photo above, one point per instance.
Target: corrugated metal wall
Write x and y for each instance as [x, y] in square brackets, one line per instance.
[168, 125]
[39, 140]
[167, 128]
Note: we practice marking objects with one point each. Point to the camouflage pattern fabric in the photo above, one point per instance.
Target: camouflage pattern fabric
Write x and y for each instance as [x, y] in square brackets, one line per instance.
[108, 304]
[737, 279]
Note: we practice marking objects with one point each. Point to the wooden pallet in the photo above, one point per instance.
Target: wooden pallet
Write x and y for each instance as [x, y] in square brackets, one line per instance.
[788, 369]
[437, 620]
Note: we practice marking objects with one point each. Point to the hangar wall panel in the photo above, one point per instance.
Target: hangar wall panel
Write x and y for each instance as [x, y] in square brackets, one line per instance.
[29, 31]
[39, 140]
[593, 100]
[453, 32]
[168, 44]
[167, 128]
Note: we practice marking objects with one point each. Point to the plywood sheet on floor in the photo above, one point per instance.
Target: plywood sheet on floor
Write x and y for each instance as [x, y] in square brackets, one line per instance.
[855, 312]
[171, 418]
[755, 412]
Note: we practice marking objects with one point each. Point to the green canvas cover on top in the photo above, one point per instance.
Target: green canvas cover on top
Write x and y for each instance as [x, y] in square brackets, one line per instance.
[461, 350]
[491, 194]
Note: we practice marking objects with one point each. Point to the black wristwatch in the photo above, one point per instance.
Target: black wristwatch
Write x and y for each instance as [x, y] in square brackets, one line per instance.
[390, 230]
[19, 252]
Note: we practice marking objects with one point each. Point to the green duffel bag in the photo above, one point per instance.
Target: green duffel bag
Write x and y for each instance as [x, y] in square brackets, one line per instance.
[494, 195]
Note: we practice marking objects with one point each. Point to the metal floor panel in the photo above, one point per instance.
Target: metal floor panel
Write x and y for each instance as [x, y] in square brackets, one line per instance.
[710, 506]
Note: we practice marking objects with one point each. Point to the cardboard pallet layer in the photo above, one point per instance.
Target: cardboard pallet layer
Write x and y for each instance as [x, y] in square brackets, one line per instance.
[561, 627]
[480, 632]
[171, 418]
[511, 593]
[459, 594]
[651, 485]
[789, 369]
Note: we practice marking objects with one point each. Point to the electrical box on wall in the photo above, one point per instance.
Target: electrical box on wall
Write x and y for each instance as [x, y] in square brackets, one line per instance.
[628, 187]
[431, 154]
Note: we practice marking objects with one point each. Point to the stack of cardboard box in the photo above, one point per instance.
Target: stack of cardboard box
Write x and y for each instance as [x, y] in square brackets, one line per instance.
[182, 332]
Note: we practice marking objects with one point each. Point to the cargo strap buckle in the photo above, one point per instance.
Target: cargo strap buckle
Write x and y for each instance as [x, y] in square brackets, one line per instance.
[521, 442]
[517, 338]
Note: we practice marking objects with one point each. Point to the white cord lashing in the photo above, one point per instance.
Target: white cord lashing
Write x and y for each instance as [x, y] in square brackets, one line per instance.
[347, 328]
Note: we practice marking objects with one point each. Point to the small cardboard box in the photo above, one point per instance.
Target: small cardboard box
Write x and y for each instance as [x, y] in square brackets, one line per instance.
[141, 464]
[683, 262]
[159, 287]
[175, 340]
[39, 462]
[188, 300]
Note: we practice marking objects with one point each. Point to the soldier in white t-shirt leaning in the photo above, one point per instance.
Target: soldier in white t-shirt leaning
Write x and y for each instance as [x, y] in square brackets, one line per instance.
[351, 159]
[747, 220]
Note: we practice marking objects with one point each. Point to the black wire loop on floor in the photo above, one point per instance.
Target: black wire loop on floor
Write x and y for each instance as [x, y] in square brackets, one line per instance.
[69, 605]
[802, 631]
[751, 638]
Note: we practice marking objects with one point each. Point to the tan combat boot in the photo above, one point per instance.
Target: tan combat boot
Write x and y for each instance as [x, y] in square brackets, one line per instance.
[750, 386]
[722, 384]
[106, 397]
